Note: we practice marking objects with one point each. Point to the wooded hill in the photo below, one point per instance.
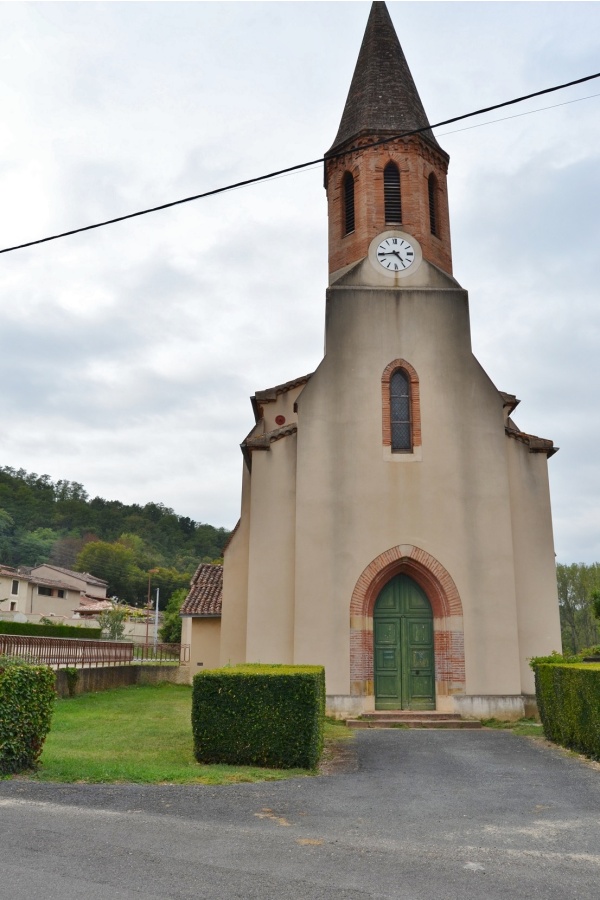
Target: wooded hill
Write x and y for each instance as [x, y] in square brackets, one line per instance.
[46, 521]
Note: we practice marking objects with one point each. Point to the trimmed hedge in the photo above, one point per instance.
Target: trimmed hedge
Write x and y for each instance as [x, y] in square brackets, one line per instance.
[259, 715]
[568, 699]
[64, 631]
[26, 703]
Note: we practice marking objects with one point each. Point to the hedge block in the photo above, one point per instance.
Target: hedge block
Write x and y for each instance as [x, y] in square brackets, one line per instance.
[568, 698]
[65, 631]
[259, 715]
[26, 704]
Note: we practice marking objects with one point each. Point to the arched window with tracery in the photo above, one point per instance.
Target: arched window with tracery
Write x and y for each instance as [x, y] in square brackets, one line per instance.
[391, 194]
[401, 407]
[348, 191]
[433, 204]
[400, 423]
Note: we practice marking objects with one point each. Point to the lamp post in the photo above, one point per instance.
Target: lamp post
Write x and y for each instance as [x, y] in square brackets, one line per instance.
[151, 572]
[156, 620]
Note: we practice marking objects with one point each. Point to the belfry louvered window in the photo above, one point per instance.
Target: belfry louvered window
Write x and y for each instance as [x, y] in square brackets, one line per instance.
[348, 186]
[433, 216]
[400, 421]
[391, 193]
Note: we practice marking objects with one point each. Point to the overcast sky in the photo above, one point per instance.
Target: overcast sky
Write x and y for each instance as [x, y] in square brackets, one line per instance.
[128, 354]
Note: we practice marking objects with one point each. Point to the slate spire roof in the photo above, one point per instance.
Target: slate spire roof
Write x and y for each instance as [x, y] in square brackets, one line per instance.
[383, 98]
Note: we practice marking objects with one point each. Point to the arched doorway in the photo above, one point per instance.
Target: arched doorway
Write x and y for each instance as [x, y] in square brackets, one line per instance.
[403, 651]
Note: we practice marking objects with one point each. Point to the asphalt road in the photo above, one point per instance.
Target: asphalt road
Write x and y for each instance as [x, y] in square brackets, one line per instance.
[428, 815]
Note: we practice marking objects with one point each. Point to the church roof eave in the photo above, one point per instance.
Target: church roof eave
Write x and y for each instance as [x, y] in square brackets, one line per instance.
[264, 441]
[509, 401]
[533, 442]
[270, 395]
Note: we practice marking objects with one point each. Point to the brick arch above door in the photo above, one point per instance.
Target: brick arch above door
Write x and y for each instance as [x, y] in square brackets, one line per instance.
[446, 605]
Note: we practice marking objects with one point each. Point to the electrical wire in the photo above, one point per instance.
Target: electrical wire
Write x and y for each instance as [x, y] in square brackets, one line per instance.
[299, 166]
[529, 112]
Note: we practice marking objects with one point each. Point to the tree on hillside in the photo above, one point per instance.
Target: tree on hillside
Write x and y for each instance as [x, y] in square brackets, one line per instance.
[115, 564]
[577, 585]
[126, 564]
[66, 549]
[170, 631]
[6, 537]
[32, 504]
[35, 547]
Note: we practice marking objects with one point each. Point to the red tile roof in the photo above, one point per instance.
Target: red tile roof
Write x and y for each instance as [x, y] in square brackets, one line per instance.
[89, 607]
[206, 590]
[536, 444]
[82, 576]
[264, 441]
[270, 394]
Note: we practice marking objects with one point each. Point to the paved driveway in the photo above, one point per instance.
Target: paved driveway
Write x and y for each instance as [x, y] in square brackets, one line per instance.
[427, 816]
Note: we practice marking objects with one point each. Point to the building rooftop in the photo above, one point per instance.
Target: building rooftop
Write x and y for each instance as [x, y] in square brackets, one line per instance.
[83, 576]
[206, 590]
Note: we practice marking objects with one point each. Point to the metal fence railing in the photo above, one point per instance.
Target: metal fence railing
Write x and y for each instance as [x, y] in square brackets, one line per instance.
[62, 652]
[161, 653]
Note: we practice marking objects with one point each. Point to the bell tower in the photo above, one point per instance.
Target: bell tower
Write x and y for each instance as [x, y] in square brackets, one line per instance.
[379, 175]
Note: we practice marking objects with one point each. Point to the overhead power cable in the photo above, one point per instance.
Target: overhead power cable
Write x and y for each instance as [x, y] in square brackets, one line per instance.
[529, 112]
[299, 166]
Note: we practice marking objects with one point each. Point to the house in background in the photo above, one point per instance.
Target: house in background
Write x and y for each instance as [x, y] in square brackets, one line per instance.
[49, 591]
[88, 585]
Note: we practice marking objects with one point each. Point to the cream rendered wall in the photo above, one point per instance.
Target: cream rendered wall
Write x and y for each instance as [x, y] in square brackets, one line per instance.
[535, 566]
[235, 585]
[30, 602]
[42, 605]
[282, 406]
[77, 583]
[268, 635]
[270, 622]
[6, 597]
[202, 633]
[320, 506]
[352, 504]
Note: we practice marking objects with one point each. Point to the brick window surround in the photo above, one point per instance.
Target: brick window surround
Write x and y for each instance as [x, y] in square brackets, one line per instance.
[415, 403]
[448, 637]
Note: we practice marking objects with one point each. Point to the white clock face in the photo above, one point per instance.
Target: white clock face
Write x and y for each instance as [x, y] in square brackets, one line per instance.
[395, 254]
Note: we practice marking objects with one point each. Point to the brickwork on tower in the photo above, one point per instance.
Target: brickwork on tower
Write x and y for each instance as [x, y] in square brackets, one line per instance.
[416, 159]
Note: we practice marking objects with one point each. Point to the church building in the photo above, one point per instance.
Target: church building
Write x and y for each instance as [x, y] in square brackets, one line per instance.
[395, 522]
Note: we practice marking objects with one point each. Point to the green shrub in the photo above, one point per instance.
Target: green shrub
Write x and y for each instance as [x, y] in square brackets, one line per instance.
[568, 699]
[26, 703]
[259, 715]
[72, 676]
[38, 630]
[112, 622]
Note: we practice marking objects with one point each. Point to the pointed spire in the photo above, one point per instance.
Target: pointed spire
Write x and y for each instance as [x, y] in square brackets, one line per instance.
[383, 98]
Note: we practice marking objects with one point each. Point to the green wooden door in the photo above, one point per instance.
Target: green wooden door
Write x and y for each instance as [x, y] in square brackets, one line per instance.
[403, 647]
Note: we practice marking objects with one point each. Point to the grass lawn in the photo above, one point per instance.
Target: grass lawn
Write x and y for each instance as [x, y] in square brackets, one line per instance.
[525, 727]
[139, 734]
